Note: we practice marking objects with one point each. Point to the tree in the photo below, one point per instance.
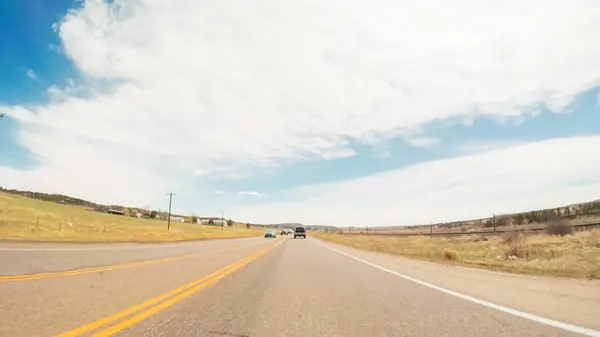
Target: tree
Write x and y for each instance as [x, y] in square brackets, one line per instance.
[532, 217]
[559, 227]
[229, 222]
[153, 215]
[247, 225]
[518, 219]
[211, 222]
[501, 221]
[194, 219]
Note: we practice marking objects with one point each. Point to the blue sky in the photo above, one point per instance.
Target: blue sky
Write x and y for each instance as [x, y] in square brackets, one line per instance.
[28, 44]
[121, 102]
[583, 117]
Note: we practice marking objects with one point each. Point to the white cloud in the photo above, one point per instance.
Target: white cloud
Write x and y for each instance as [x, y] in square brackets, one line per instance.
[520, 178]
[31, 74]
[249, 193]
[180, 90]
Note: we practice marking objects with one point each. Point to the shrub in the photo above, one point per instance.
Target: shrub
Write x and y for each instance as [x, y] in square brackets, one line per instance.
[519, 252]
[480, 238]
[558, 227]
[513, 237]
[450, 255]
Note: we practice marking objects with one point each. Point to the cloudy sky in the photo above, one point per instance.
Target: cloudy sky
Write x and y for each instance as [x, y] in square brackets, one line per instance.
[324, 112]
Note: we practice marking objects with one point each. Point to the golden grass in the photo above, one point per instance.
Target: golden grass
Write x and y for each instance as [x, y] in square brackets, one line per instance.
[575, 255]
[29, 219]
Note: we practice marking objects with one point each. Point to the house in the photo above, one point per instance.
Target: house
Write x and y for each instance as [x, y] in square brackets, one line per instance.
[177, 219]
[219, 222]
[114, 211]
[141, 215]
[215, 222]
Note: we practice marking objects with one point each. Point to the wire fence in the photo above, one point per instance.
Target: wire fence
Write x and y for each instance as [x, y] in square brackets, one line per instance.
[437, 232]
[86, 225]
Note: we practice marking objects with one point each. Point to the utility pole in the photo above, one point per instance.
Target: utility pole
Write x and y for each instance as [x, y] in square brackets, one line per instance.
[169, 216]
[430, 228]
[494, 222]
[222, 220]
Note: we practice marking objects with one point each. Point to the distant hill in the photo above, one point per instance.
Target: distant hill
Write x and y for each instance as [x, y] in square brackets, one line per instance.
[288, 225]
[291, 225]
[319, 227]
[59, 198]
[67, 200]
[590, 208]
[584, 203]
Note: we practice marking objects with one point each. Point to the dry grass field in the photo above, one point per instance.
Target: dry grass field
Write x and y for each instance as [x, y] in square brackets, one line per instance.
[30, 219]
[576, 255]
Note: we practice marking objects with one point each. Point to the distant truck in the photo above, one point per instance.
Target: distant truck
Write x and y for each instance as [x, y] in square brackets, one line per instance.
[300, 232]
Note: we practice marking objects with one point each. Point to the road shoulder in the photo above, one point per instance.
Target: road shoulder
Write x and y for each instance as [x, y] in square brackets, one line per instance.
[567, 300]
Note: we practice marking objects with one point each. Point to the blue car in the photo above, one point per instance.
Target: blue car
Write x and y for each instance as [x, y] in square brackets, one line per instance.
[270, 234]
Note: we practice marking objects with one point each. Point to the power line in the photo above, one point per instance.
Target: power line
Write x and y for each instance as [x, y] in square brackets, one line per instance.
[169, 216]
[222, 219]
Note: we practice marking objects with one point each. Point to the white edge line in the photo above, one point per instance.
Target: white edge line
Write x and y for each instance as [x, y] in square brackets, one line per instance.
[514, 312]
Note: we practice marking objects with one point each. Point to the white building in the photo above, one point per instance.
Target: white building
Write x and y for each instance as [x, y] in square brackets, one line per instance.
[216, 222]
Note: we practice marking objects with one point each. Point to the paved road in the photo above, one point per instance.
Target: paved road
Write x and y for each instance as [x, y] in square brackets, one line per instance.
[282, 287]
[27, 258]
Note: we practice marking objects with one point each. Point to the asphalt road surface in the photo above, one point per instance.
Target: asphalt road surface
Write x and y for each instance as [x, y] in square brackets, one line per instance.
[274, 287]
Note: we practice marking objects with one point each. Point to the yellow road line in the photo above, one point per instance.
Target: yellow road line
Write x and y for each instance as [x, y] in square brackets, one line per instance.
[25, 277]
[165, 300]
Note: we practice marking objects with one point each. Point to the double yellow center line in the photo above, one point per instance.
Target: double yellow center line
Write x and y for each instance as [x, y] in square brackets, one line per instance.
[26, 277]
[159, 303]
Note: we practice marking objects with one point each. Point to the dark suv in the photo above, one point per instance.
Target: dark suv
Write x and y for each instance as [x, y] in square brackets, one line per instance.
[299, 232]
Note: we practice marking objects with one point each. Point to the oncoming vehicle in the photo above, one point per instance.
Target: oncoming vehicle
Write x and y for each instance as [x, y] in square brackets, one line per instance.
[270, 234]
[284, 232]
[299, 232]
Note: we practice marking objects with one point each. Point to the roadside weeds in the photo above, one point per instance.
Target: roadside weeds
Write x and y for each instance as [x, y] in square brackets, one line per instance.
[576, 256]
